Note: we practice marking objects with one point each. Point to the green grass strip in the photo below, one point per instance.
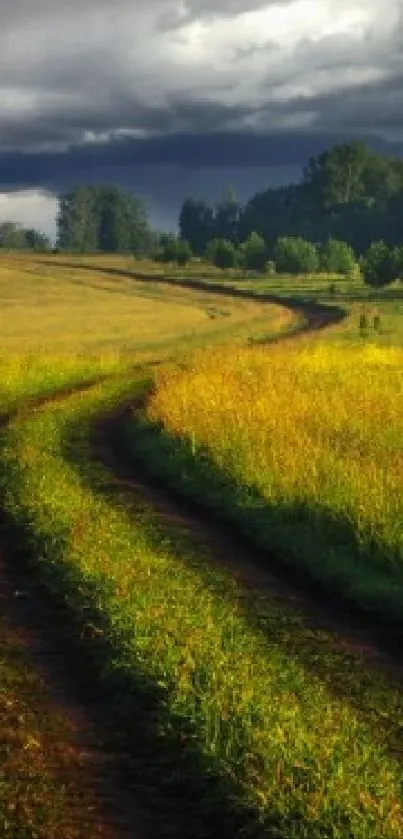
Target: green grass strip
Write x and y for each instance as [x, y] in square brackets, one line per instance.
[326, 551]
[216, 710]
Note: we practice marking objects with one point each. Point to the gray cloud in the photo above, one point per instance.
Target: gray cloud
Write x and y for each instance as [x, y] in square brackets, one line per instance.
[192, 85]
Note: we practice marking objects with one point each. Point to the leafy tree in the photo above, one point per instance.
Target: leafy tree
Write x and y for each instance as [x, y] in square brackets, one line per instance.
[268, 213]
[221, 253]
[102, 218]
[122, 221]
[380, 265]
[348, 193]
[226, 218]
[337, 257]
[344, 174]
[77, 221]
[294, 255]
[196, 223]
[254, 253]
[166, 250]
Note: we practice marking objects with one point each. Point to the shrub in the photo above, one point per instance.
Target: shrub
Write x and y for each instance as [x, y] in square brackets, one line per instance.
[173, 249]
[381, 264]
[221, 253]
[253, 253]
[337, 257]
[294, 255]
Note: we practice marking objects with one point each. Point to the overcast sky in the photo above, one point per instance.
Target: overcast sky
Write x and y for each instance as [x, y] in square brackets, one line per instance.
[170, 98]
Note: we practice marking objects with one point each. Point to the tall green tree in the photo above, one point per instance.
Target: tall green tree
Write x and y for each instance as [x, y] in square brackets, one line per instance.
[222, 253]
[196, 224]
[102, 218]
[348, 192]
[77, 220]
[339, 175]
[173, 248]
[226, 217]
[121, 220]
[37, 241]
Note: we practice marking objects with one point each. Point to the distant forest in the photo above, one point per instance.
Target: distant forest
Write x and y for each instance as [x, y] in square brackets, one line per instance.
[348, 193]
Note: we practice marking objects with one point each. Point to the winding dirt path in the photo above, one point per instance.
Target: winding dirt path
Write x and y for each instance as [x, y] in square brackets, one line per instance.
[98, 803]
[95, 806]
[378, 645]
[45, 632]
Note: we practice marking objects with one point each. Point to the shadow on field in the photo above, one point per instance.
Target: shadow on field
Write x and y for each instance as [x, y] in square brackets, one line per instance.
[177, 790]
[348, 652]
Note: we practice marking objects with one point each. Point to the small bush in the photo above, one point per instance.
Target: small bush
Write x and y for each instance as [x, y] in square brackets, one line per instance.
[294, 255]
[381, 264]
[337, 257]
[222, 253]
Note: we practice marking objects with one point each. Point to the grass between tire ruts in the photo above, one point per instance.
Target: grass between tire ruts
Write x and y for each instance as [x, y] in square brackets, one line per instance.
[216, 711]
[300, 448]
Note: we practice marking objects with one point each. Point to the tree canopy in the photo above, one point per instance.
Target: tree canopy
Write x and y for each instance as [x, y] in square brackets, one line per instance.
[102, 218]
[348, 192]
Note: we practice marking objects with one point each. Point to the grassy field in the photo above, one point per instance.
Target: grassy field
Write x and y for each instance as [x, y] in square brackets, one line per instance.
[237, 707]
[233, 708]
[303, 447]
[94, 306]
[352, 294]
[64, 326]
[63, 323]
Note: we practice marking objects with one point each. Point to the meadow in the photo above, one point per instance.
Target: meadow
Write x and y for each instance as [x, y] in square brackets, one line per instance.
[302, 447]
[236, 714]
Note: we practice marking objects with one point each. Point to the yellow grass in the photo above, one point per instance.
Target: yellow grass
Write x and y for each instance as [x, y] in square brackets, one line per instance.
[310, 427]
[65, 319]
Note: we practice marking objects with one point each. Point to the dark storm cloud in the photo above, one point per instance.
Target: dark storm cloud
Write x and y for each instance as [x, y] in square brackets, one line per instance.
[193, 88]
[59, 171]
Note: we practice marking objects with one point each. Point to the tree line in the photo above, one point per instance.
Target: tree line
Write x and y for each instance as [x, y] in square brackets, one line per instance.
[15, 237]
[378, 266]
[90, 219]
[348, 192]
[343, 216]
[345, 213]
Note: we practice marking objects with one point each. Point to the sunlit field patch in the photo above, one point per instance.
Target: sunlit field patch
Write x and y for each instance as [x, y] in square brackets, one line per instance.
[59, 305]
[66, 319]
[312, 435]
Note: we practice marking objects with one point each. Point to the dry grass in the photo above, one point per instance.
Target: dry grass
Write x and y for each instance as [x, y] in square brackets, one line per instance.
[314, 433]
[62, 322]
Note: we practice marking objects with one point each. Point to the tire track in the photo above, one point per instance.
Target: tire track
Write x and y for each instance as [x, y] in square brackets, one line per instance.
[56, 655]
[380, 646]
